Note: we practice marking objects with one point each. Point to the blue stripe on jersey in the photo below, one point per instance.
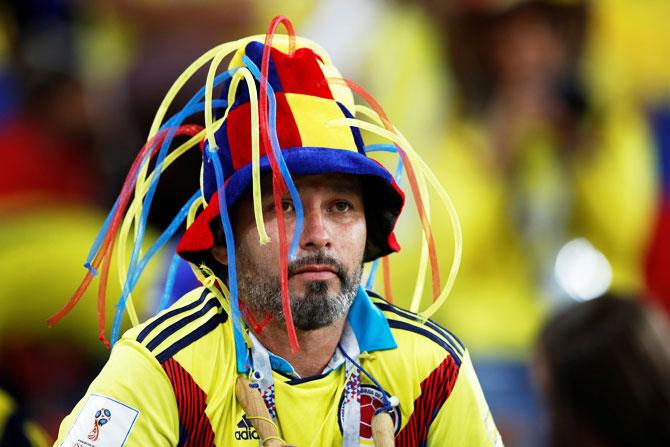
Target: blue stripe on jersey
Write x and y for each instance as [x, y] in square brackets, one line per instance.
[171, 329]
[154, 324]
[430, 323]
[197, 334]
[403, 325]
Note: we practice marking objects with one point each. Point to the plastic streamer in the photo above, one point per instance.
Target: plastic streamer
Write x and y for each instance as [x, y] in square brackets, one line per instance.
[182, 130]
[190, 108]
[244, 73]
[169, 283]
[141, 223]
[386, 270]
[131, 216]
[140, 194]
[281, 163]
[423, 262]
[411, 176]
[101, 249]
[190, 217]
[369, 284]
[278, 181]
[99, 238]
[230, 247]
[135, 207]
[423, 258]
[141, 205]
[141, 265]
[396, 137]
[105, 246]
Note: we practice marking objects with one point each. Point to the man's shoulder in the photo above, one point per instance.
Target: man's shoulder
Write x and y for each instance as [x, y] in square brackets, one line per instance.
[417, 334]
[191, 318]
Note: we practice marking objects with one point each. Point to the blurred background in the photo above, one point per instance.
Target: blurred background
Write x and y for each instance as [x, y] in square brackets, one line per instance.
[548, 122]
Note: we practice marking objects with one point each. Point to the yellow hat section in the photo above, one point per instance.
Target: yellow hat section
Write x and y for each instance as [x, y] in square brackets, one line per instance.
[312, 114]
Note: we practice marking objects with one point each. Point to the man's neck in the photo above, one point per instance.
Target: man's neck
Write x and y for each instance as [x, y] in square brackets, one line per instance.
[316, 347]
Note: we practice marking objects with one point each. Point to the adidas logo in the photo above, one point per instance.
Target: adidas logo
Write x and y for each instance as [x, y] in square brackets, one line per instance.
[245, 431]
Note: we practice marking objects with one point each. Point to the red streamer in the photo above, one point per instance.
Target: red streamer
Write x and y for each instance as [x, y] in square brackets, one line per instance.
[107, 247]
[278, 182]
[411, 176]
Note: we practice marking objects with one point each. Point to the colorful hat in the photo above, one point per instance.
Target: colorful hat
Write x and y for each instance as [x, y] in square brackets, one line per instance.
[285, 110]
[304, 106]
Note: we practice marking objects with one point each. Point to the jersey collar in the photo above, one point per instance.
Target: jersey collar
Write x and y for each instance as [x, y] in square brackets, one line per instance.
[368, 324]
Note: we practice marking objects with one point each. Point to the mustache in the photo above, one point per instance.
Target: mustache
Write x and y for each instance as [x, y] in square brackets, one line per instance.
[317, 258]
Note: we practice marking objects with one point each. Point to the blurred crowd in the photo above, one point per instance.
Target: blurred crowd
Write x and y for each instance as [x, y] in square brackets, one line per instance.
[548, 122]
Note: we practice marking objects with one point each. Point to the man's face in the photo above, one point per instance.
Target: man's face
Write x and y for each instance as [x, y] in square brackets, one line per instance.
[325, 275]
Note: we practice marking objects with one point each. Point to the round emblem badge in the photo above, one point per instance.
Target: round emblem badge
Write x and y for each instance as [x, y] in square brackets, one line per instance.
[371, 401]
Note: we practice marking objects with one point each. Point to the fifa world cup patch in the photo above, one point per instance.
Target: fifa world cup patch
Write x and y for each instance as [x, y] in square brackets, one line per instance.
[102, 422]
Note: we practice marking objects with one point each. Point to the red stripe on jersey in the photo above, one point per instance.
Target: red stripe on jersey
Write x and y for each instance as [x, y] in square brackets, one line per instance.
[194, 426]
[435, 389]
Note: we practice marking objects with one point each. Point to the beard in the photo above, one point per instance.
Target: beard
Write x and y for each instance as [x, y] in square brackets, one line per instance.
[318, 307]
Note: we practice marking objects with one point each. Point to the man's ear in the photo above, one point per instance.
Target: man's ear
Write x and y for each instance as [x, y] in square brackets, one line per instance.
[220, 254]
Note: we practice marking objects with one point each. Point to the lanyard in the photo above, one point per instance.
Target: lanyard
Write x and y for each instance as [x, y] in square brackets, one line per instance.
[262, 375]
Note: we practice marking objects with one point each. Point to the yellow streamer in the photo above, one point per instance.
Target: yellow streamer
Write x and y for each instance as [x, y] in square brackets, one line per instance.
[423, 169]
[423, 260]
[244, 73]
[133, 214]
[141, 179]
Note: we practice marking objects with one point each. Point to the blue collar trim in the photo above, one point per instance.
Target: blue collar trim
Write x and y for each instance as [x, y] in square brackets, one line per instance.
[369, 324]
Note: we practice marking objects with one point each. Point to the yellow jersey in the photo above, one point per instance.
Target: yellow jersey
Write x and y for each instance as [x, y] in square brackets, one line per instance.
[171, 382]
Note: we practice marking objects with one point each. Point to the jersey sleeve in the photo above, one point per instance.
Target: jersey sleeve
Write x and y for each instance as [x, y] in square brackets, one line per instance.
[465, 418]
[130, 403]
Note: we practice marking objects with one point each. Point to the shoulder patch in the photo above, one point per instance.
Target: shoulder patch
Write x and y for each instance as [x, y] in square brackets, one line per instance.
[102, 422]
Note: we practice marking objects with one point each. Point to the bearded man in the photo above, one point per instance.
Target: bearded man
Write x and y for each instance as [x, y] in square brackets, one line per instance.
[309, 357]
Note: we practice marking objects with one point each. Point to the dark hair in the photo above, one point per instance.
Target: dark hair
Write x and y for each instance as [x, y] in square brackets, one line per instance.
[608, 374]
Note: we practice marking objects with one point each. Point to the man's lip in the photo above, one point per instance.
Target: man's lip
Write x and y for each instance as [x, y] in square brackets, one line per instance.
[314, 268]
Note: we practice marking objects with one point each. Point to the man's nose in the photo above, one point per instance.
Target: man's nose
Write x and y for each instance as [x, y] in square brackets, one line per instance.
[315, 232]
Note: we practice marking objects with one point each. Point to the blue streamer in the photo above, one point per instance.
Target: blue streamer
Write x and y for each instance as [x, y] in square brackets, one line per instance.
[98, 239]
[276, 150]
[131, 282]
[135, 267]
[169, 283]
[230, 250]
[189, 109]
[173, 123]
[381, 148]
[369, 284]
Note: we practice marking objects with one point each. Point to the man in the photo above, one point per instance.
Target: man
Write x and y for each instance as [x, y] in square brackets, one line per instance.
[178, 379]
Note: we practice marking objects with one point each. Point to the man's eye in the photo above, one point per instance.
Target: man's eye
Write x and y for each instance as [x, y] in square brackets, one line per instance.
[342, 206]
[287, 206]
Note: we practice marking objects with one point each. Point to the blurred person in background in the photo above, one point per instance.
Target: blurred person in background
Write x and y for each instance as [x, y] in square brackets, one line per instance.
[49, 181]
[603, 367]
[64, 72]
[551, 169]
